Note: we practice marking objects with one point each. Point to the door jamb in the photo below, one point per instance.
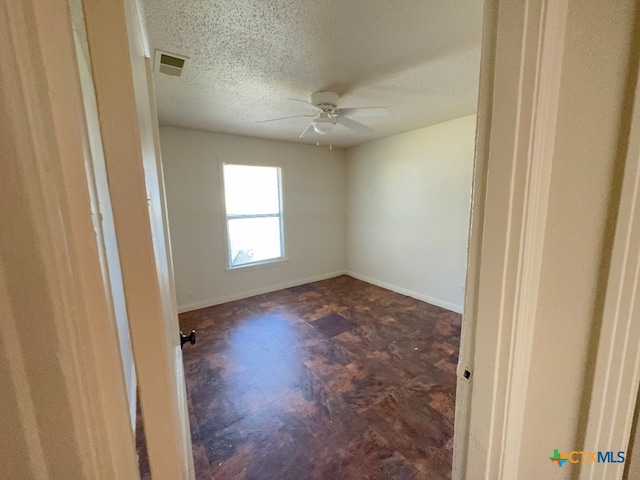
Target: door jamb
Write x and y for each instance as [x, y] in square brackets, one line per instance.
[519, 88]
[43, 114]
[617, 364]
[520, 81]
[135, 178]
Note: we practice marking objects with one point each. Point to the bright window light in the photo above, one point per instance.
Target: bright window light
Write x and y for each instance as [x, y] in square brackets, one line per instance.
[254, 214]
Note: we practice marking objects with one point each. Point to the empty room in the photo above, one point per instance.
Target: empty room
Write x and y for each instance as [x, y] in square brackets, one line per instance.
[318, 161]
[235, 235]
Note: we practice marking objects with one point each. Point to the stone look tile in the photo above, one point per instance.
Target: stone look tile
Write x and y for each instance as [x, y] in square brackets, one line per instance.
[333, 324]
[411, 425]
[336, 379]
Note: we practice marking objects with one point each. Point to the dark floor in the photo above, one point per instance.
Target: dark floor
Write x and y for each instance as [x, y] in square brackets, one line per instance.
[337, 379]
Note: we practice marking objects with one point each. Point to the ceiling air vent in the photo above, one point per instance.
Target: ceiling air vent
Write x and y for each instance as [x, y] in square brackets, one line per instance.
[170, 63]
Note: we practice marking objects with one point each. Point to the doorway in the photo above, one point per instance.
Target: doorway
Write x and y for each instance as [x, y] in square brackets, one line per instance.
[490, 334]
[389, 217]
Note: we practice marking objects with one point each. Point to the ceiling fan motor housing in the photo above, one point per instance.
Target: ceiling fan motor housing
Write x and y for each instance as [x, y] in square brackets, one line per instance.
[327, 101]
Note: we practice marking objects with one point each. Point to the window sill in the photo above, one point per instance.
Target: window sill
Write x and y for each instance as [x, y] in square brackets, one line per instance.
[258, 265]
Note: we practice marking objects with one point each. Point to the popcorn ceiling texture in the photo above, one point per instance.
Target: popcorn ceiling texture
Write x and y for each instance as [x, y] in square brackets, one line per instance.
[418, 57]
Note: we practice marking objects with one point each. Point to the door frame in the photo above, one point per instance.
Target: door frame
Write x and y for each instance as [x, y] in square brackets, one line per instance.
[617, 361]
[522, 53]
[519, 88]
[129, 128]
[45, 131]
[61, 341]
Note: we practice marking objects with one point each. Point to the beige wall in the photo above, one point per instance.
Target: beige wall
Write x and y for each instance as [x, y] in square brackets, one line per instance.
[408, 200]
[405, 218]
[313, 206]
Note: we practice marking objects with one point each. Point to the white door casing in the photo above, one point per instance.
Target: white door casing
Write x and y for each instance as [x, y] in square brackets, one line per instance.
[617, 363]
[43, 132]
[128, 124]
[529, 83]
[51, 208]
[59, 335]
[520, 75]
[98, 176]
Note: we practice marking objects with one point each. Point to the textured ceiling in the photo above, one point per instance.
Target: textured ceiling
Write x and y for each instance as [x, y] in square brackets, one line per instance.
[420, 58]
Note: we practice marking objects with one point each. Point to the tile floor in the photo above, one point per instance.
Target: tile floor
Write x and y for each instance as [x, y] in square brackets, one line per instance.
[336, 379]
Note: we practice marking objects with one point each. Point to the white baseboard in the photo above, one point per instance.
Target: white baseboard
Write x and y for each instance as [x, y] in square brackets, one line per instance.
[259, 291]
[133, 398]
[410, 293]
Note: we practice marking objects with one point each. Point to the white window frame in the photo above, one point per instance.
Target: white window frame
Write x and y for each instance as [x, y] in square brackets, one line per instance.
[226, 216]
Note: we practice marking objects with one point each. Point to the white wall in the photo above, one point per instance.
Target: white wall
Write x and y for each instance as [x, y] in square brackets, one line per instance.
[313, 206]
[408, 201]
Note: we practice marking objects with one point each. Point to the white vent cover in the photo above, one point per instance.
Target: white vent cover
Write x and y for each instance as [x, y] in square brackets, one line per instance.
[170, 63]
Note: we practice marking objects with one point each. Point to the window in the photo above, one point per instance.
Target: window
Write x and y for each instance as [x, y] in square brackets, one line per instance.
[254, 214]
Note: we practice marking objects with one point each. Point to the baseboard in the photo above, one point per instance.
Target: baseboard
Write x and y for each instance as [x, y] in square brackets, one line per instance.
[410, 293]
[259, 291]
[133, 399]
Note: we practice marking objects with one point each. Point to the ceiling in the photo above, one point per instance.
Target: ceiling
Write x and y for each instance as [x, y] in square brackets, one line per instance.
[420, 58]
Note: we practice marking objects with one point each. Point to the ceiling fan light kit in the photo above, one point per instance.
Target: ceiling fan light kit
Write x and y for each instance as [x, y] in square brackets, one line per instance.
[327, 115]
[324, 125]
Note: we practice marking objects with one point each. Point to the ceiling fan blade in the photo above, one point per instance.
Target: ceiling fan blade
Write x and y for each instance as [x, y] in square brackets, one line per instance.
[307, 131]
[364, 112]
[283, 118]
[308, 103]
[356, 126]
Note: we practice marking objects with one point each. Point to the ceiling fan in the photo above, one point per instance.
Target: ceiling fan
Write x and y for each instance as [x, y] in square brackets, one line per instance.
[327, 115]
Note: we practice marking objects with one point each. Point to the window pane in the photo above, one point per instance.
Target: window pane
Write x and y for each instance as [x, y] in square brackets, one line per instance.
[251, 190]
[254, 239]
